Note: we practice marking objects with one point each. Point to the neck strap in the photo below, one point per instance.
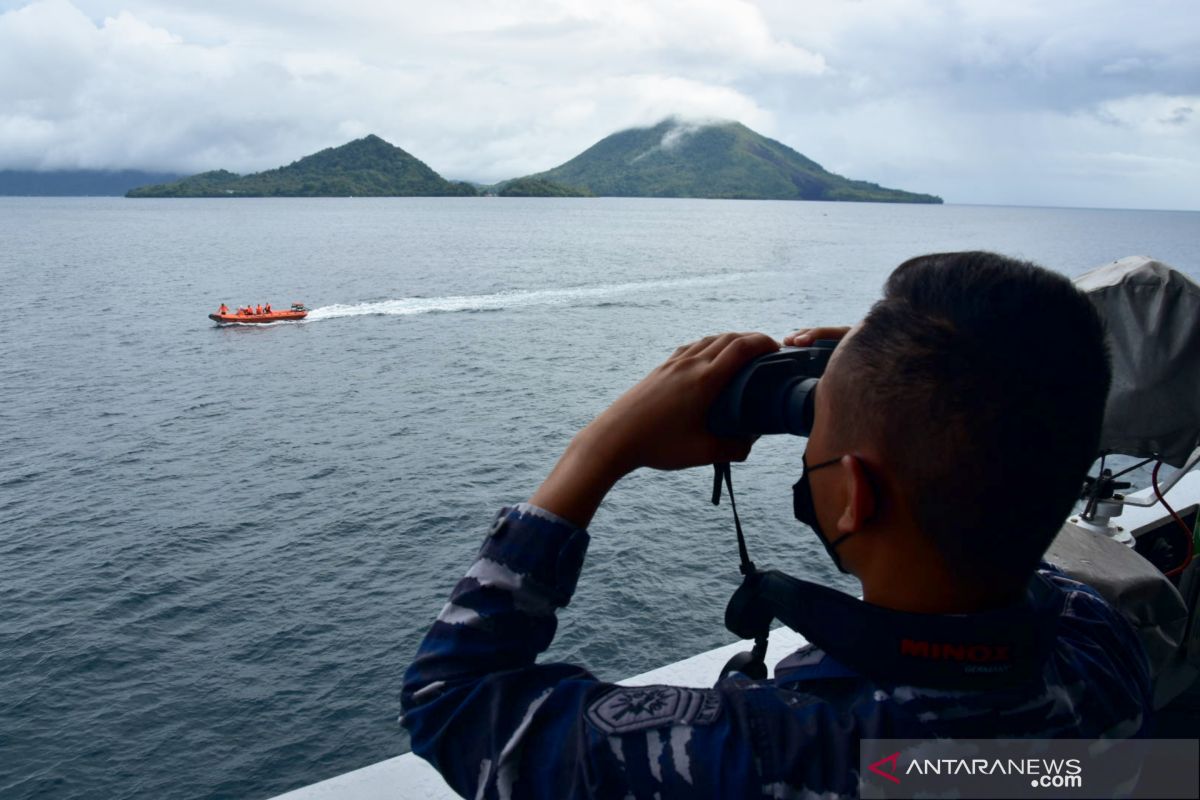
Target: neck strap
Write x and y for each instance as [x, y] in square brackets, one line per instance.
[958, 651]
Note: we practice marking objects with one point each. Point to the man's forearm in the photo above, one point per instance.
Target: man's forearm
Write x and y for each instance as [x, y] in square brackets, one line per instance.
[580, 480]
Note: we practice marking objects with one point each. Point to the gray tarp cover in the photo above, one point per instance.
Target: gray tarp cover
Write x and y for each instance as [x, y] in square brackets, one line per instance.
[1153, 316]
[1153, 606]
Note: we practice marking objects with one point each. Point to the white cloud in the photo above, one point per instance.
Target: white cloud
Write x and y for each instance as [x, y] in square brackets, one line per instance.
[1009, 102]
[1155, 115]
[483, 93]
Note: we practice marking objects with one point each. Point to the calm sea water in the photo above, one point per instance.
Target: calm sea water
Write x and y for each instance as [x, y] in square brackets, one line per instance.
[219, 547]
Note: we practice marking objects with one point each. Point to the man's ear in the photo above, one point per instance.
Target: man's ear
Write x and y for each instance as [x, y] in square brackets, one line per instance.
[860, 496]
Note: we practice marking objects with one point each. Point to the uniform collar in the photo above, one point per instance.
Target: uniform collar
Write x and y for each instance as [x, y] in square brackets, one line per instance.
[951, 651]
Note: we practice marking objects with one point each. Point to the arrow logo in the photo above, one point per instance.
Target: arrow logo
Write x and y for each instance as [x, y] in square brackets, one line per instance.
[891, 776]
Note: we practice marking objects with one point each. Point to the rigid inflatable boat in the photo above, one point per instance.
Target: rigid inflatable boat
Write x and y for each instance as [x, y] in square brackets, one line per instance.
[297, 311]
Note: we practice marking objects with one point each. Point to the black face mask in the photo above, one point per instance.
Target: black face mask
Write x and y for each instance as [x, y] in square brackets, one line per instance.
[806, 512]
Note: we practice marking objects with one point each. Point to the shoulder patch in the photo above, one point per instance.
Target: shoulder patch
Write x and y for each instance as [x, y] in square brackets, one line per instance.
[626, 709]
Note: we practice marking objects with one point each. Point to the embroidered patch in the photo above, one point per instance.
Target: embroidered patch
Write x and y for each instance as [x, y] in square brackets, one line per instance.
[637, 708]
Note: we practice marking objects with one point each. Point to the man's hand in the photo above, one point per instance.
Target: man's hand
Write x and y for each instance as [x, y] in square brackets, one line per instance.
[659, 423]
[806, 336]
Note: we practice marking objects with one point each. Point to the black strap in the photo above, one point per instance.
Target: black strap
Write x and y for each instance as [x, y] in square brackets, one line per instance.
[723, 472]
[752, 664]
[967, 651]
[950, 651]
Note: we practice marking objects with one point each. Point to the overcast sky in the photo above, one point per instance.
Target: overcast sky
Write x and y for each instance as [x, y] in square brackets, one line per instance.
[1032, 102]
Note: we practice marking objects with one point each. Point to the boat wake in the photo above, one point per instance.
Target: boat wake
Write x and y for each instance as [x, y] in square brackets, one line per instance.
[513, 299]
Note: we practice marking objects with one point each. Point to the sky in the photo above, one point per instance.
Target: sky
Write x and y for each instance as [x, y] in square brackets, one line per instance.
[1091, 103]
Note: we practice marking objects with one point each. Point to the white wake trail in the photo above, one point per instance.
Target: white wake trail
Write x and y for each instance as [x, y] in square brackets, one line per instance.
[488, 302]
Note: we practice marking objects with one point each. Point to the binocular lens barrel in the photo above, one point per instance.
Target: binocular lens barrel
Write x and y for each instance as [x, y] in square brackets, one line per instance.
[774, 393]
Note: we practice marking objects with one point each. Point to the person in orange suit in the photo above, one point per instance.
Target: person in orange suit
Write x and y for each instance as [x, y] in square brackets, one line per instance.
[258, 309]
[223, 310]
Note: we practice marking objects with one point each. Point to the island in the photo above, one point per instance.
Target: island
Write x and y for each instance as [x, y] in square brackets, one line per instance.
[537, 187]
[680, 158]
[675, 158]
[367, 167]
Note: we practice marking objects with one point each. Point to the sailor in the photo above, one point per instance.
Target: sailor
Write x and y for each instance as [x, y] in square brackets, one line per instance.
[223, 310]
[258, 309]
[971, 370]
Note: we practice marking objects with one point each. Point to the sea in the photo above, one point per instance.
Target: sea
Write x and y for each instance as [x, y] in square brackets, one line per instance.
[220, 546]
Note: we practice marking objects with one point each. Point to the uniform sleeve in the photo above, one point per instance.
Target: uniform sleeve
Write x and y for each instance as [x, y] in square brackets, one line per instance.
[495, 724]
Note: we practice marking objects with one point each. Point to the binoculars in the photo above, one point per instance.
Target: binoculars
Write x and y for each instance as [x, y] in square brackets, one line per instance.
[774, 393]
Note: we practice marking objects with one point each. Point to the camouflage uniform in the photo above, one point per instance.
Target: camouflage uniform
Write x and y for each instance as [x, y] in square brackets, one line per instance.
[495, 724]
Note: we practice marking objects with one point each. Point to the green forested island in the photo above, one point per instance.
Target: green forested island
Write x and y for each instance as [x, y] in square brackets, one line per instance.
[674, 158]
[367, 167]
[719, 160]
[537, 187]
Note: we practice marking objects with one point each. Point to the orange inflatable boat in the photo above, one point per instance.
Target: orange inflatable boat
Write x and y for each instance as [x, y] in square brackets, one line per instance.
[247, 317]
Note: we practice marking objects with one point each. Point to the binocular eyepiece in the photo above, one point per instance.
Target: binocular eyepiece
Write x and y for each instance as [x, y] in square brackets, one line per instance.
[774, 393]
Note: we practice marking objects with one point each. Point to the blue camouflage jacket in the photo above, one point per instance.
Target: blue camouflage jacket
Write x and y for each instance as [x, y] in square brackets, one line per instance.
[496, 725]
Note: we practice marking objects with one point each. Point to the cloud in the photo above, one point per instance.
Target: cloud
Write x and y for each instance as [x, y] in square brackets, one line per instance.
[680, 131]
[998, 103]
[677, 133]
[977, 102]
[1180, 115]
[484, 93]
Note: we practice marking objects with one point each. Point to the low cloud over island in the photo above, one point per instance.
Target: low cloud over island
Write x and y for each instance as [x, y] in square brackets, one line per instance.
[1071, 103]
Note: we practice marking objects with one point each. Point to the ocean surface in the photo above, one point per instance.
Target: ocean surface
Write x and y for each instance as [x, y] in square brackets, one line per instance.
[219, 547]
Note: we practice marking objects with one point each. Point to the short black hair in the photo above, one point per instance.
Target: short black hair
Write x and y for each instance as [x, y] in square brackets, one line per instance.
[984, 380]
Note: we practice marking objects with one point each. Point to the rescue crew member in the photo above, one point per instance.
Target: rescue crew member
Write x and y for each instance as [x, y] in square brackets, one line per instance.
[223, 310]
[267, 308]
[258, 309]
[974, 371]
